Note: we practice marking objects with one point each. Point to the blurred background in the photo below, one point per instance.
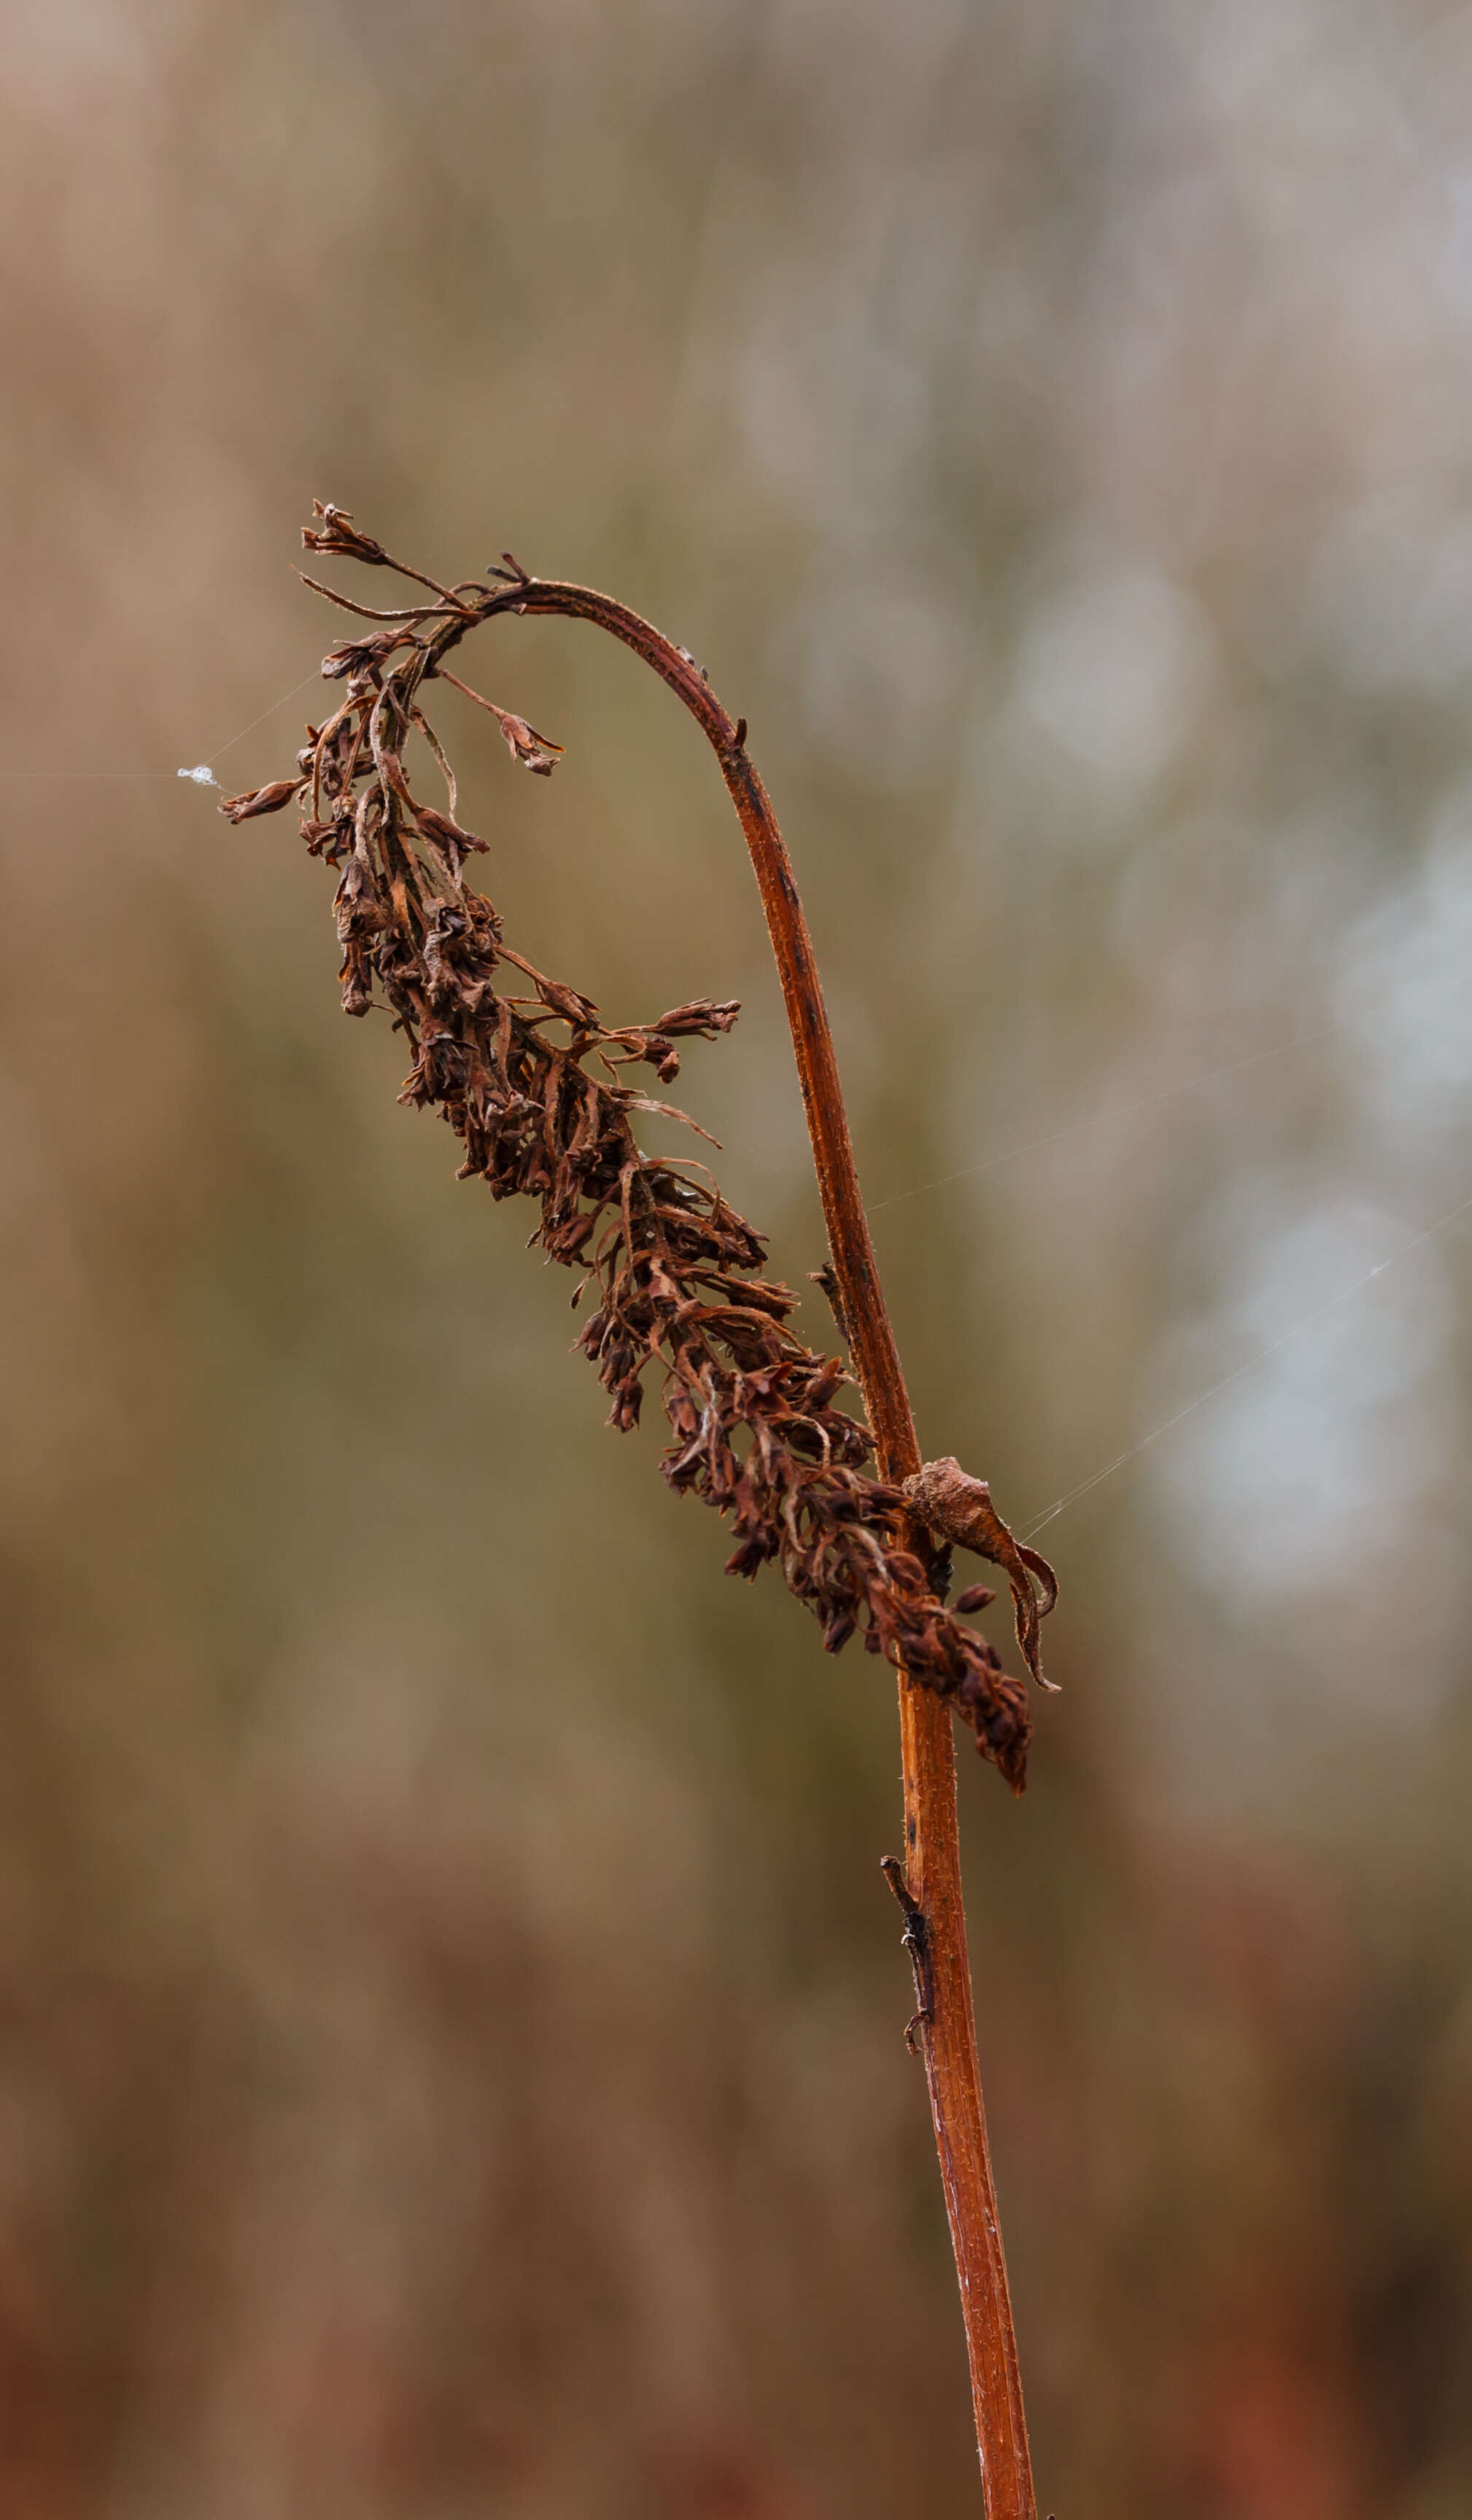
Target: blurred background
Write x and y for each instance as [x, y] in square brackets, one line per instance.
[450, 2010]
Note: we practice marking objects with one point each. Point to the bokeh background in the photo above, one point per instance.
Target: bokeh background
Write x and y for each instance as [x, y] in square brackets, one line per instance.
[450, 2011]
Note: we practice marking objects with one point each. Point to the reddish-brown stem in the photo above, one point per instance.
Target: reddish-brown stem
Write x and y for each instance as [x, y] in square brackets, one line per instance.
[931, 1845]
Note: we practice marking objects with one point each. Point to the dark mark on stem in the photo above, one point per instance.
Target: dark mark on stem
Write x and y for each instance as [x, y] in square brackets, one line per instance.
[916, 1941]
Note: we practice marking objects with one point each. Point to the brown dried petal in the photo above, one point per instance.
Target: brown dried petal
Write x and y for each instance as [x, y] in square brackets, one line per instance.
[338, 536]
[259, 801]
[704, 1016]
[440, 828]
[960, 1509]
[538, 752]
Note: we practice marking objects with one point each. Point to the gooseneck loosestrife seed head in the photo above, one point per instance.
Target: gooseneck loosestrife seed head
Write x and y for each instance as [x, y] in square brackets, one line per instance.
[536, 1087]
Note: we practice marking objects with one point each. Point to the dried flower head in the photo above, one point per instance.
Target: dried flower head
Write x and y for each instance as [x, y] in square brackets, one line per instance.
[535, 1086]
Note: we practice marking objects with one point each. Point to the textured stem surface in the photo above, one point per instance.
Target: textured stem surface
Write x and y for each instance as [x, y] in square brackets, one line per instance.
[931, 1844]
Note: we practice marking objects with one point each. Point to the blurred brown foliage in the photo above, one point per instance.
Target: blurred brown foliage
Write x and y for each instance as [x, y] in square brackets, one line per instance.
[451, 2010]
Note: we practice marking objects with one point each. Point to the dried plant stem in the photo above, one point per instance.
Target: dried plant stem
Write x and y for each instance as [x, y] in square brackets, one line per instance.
[751, 1408]
[931, 1841]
